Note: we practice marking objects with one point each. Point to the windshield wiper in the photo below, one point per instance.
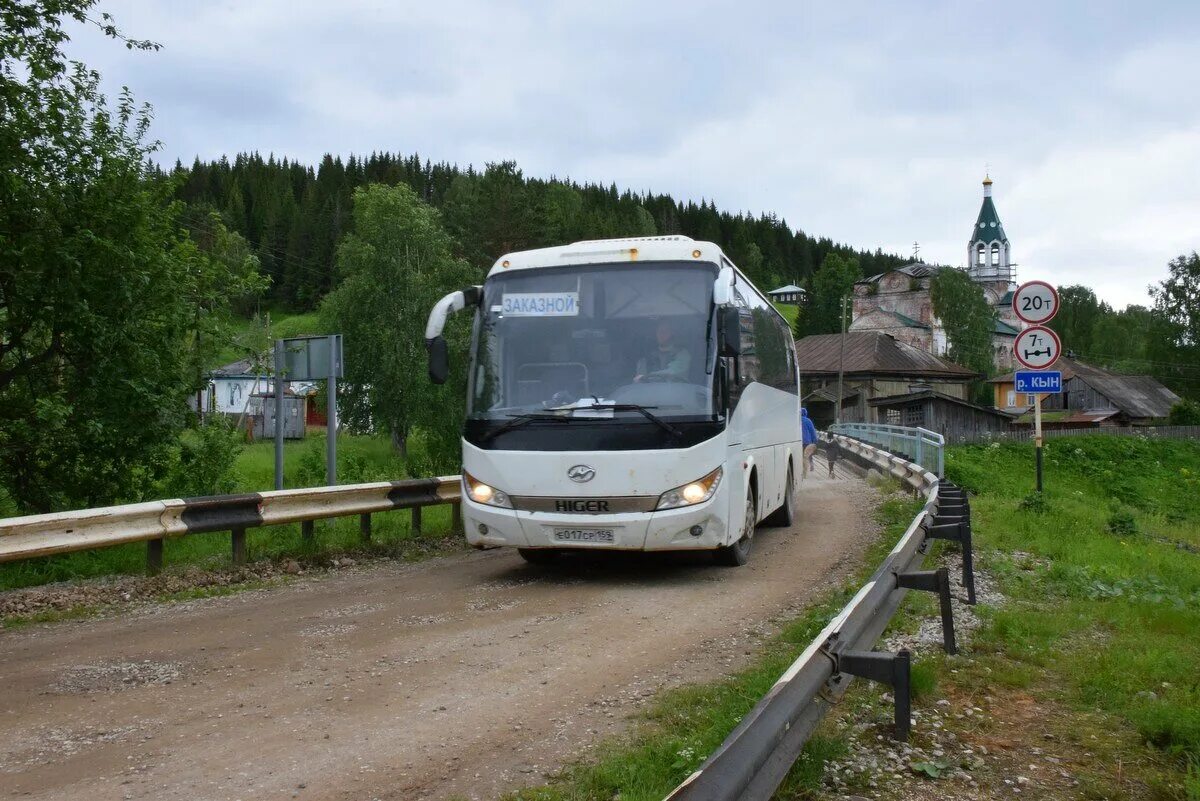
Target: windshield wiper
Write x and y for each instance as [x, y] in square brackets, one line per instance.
[519, 420]
[644, 411]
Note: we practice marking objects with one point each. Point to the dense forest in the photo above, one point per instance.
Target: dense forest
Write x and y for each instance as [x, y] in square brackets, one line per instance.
[293, 216]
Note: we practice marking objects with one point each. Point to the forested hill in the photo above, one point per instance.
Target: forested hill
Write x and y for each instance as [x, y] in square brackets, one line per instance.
[294, 215]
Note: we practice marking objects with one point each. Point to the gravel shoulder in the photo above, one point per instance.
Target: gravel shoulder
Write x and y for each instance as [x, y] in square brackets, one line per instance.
[462, 676]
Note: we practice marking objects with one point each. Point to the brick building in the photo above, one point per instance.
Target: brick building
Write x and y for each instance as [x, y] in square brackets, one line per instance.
[898, 302]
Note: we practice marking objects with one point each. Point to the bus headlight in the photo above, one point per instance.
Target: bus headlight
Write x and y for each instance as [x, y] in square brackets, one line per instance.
[485, 493]
[689, 494]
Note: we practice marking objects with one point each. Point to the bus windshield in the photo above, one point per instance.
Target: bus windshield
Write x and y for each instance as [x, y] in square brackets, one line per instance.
[595, 341]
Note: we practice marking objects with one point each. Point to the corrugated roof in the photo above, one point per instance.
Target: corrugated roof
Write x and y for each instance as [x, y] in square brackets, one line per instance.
[242, 367]
[872, 352]
[917, 269]
[1086, 417]
[788, 288]
[908, 397]
[1138, 396]
[1069, 367]
[829, 393]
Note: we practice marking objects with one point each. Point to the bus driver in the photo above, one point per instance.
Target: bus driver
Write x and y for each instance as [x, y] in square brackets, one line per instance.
[668, 362]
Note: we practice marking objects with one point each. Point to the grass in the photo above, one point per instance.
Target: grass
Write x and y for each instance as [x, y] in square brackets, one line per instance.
[360, 459]
[685, 724]
[1101, 628]
[247, 334]
[1103, 578]
[789, 313]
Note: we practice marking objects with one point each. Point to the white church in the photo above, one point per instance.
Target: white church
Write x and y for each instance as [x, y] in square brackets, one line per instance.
[898, 302]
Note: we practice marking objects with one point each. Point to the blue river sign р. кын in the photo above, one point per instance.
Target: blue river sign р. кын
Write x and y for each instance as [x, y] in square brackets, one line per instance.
[1037, 381]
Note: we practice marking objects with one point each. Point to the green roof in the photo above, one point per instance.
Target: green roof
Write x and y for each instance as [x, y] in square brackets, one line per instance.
[1002, 327]
[908, 321]
[988, 227]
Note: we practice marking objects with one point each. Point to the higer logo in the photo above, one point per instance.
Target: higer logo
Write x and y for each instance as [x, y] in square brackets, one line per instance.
[581, 473]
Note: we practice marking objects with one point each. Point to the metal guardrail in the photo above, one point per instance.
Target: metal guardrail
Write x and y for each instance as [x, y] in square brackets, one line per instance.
[155, 521]
[926, 448]
[756, 757]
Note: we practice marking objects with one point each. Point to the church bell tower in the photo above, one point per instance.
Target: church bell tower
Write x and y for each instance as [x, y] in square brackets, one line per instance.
[988, 255]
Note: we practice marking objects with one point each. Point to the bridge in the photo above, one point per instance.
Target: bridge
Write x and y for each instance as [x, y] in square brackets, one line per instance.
[467, 675]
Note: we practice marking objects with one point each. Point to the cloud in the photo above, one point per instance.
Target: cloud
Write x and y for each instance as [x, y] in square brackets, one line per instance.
[870, 125]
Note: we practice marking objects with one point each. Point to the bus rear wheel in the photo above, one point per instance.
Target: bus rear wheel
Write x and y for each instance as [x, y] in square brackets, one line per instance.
[738, 553]
[538, 556]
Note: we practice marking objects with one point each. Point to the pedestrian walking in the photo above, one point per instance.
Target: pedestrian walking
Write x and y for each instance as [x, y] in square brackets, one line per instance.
[832, 452]
[808, 433]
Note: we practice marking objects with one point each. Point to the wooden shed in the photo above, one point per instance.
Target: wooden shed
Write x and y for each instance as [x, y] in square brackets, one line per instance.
[873, 365]
[953, 418]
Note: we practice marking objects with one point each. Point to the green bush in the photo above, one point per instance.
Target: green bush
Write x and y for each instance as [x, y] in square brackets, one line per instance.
[204, 462]
[1185, 413]
[1034, 502]
[1121, 523]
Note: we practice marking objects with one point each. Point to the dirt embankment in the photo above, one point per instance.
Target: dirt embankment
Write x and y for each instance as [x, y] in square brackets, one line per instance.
[466, 675]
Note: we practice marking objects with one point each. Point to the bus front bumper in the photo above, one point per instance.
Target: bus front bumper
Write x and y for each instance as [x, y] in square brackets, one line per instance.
[698, 527]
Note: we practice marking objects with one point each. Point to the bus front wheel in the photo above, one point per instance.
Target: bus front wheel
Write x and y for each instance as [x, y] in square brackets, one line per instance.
[738, 553]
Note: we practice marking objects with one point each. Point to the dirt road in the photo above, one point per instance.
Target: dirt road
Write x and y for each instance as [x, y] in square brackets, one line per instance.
[468, 675]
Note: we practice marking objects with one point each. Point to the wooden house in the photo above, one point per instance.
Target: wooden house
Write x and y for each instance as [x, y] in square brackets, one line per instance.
[874, 365]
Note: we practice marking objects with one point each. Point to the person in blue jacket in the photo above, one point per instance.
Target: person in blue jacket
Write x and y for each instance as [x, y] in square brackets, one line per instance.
[809, 438]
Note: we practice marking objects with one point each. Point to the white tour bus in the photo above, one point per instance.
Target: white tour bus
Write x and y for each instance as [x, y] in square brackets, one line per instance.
[632, 394]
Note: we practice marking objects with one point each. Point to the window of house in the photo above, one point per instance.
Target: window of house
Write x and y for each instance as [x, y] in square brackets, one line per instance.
[893, 417]
[1012, 399]
[913, 416]
[995, 255]
[981, 257]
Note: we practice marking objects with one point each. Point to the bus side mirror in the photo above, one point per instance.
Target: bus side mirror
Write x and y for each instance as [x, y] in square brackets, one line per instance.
[439, 359]
[729, 327]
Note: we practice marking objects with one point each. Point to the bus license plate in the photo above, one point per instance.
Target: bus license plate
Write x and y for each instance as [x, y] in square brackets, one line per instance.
[584, 535]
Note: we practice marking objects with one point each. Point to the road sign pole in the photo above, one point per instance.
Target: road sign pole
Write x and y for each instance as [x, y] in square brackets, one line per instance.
[1037, 436]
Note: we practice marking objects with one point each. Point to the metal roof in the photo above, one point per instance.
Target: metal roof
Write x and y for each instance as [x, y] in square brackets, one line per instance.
[1001, 327]
[987, 225]
[917, 269]
[243, 368]
[1070, 368]
[829, 393]
[909, 397]
[788, 288]
[1138, 396]
[872, 352]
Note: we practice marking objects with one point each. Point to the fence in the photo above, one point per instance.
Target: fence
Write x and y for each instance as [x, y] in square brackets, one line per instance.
[756, 757]
[1026, 434]
[926, 448]
[155, 521]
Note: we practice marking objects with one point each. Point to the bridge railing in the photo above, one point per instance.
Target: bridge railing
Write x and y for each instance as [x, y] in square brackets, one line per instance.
[155, 521]
[757, 755]
[922, 446]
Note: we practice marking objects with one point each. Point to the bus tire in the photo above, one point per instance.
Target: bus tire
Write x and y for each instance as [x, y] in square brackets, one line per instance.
[538, 556]
[785, 515]
[738, 553]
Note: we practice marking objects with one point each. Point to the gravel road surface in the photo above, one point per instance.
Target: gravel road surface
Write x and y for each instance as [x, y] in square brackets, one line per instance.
[461, 676]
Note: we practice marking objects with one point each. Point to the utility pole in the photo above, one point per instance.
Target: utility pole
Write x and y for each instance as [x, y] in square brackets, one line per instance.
[837, 405]
[279, 369]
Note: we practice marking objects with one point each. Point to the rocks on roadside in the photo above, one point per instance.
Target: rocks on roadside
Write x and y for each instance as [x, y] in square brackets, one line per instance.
[125, 590]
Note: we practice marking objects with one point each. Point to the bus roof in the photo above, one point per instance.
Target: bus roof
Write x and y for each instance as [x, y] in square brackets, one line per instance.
[607, 251]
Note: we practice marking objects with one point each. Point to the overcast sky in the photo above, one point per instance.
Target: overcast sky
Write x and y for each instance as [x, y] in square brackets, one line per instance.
[871, 125]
